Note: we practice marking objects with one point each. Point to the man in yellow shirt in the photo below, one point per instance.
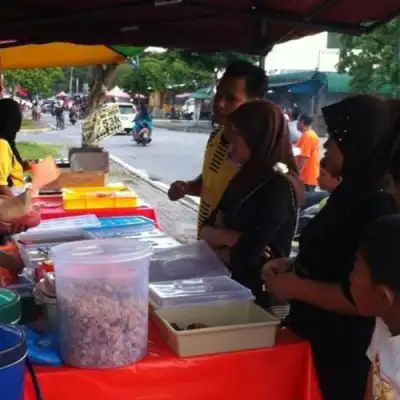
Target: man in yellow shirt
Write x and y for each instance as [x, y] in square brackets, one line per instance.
[241, 82]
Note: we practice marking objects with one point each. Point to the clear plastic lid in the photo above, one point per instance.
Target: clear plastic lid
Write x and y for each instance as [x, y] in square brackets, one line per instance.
[48, 238]
[194, 260]
[101, 252]
[76, 222]
[197, 292]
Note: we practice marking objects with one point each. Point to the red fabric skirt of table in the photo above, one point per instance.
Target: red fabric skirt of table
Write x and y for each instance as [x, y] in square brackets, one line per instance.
[284, 372]
[52, 207]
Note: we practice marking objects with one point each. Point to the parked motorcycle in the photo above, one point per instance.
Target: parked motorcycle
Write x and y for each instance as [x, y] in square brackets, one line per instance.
[175, 114]
[312, 205]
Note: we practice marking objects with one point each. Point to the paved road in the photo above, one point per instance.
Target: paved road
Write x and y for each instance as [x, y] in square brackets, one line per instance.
[172, 154]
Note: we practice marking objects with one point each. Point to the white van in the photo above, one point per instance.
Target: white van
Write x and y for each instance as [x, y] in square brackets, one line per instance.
[127, 114]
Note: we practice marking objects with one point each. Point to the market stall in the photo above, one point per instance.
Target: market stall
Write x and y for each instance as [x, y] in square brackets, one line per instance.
[103, 315]
[282, 373]
[113, 308]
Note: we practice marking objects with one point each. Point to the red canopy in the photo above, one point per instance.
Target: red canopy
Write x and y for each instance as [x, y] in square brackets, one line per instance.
[250, 26]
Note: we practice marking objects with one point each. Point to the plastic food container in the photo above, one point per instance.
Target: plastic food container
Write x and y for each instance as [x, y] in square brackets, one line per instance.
[113, 196]
[34, 247]
[194, 260]
[10, 307]
[102, 301]
[29, 309]
[230, 327]
[50, 307]
[200, 291]
[122, 227]
[66, 223]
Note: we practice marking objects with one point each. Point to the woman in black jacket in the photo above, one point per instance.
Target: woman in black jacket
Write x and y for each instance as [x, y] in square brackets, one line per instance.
[259, 207]
[363, 134]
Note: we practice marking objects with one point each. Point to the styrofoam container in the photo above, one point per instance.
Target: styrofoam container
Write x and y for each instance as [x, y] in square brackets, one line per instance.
[198, 291]
[235, 326]
[193, 260]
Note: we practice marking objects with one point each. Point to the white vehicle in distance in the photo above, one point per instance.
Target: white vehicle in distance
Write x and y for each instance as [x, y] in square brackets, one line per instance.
[127, 114]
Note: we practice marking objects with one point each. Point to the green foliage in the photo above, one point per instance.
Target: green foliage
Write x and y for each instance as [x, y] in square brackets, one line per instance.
[373, 60]
[160, 72]
[35, 81]
[210, 61]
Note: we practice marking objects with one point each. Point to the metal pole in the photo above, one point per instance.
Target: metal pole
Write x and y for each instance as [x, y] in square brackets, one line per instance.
[262, 62]
[397, 63]
[71, 78]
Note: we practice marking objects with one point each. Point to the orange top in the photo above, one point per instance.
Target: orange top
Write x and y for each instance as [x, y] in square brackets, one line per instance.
[309, 146]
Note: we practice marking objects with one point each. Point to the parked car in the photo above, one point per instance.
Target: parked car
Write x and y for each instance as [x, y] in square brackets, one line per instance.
[127, 114]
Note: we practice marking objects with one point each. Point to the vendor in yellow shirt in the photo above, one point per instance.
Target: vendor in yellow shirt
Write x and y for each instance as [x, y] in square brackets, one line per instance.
[11, 163]
[241, 82]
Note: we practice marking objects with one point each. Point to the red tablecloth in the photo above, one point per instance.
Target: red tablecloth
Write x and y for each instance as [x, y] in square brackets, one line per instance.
[56, 209]
[284, 372]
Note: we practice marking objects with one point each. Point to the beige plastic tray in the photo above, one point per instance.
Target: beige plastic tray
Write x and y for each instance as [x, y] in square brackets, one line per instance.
[232, 327]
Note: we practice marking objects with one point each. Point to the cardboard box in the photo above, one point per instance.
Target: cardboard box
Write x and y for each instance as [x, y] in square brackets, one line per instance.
[79, 179]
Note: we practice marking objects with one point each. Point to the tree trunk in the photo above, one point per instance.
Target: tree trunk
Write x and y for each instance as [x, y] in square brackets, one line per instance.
[102, 77]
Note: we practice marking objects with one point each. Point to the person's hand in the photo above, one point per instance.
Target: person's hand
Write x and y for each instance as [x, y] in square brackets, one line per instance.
[178, 190]
[276, 266]
[209, 234]
[17, 227]
[11, 263]
[28, 164]
[283, 286]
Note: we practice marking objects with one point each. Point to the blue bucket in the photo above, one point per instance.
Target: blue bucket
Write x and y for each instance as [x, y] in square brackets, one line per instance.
[13, 352]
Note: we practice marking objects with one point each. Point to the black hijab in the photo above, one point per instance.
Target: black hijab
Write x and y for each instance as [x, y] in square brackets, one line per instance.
[367, 131]
[10, 124]
[263, 127]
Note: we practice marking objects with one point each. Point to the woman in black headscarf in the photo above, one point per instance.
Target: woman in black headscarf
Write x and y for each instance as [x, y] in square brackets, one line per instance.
[11, 163]
[259, 206]
[363, 134]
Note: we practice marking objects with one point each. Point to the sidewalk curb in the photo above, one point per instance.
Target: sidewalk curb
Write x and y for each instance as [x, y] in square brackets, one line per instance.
[42, 130]
[189, 202]
[186, 129]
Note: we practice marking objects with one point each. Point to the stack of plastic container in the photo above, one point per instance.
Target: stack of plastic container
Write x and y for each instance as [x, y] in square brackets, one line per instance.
[200, 309]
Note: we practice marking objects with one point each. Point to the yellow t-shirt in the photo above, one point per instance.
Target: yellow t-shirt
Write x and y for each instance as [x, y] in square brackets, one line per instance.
[218, 170]
[9, 166]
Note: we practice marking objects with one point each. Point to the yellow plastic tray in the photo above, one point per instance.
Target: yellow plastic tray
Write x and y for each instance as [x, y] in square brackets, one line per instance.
[113, 196]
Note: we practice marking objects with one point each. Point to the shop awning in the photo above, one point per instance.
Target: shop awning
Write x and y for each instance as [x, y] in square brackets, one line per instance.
[310, 82]
[307, 82]
[62, 55]
[215, 25]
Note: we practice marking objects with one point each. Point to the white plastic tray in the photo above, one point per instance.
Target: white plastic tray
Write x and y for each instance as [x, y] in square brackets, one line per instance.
[231, 327]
